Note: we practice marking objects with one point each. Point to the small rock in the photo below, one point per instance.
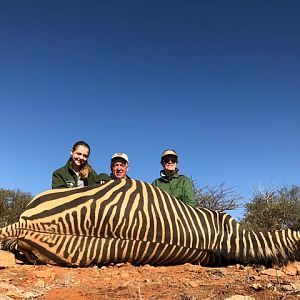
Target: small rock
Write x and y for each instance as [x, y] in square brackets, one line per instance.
[188, 265]
[287, 288]
[95, 271]
[4, 297]
[187, 297]
[217, 273]
[33, 294]
[272, 272]
[240, 267]
[296, 287]
[292, 269]
[124, 275]
[47, 275]
[148, 266]
[270, 286]
[254, 277]
[193, 284]
[10, 287]
[119, 265]
[257, 286]
[14, 293]
[40, 283]
[67, 279]
[240, 297]
[7, 259]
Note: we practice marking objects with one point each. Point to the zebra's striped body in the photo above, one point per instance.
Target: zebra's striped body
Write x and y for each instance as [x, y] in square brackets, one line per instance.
[133, 221]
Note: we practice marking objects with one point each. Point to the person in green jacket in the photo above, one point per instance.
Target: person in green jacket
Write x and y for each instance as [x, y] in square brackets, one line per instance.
[76, 172]
[179, 186]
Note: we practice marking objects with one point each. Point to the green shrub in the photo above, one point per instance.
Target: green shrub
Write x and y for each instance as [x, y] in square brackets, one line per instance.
[274, 209]
[12, 204]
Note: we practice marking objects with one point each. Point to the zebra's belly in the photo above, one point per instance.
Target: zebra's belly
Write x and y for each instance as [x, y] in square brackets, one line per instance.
[88, 251]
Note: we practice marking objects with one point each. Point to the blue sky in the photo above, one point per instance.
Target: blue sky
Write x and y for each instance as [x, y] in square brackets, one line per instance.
[216, 80]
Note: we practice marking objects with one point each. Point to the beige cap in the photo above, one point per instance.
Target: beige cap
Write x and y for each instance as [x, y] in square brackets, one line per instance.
[120, 155]
[169, 152]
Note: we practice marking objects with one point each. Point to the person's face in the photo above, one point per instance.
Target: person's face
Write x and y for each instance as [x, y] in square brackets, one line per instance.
[119, 168]
[169, 163]
[79, 156]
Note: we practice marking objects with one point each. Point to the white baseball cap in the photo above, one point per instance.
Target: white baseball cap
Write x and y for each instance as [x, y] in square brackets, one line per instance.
[120, 155]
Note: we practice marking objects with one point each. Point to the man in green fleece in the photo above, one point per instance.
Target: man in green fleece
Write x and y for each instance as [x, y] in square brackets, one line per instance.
[119, 166]
[170, 181]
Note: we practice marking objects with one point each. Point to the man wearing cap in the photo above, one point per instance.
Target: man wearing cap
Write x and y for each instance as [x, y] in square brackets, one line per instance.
[170, 181]
[118, 166]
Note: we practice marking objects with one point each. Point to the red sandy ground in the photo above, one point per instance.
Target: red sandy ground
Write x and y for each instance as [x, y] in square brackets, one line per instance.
[184, 282]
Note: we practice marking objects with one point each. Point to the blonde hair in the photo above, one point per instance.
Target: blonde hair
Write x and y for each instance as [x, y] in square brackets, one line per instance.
[85, 171]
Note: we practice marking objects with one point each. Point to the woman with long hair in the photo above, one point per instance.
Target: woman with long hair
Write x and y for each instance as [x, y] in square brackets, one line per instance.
[76, 172]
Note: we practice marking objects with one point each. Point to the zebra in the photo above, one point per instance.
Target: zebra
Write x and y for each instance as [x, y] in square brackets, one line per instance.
[126, 220]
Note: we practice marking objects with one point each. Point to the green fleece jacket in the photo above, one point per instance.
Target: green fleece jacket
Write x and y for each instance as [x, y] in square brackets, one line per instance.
[65, 177]
[103, 178]
[178, 186]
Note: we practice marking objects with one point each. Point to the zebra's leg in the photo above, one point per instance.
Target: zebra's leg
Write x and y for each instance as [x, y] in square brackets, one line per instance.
[11, 244]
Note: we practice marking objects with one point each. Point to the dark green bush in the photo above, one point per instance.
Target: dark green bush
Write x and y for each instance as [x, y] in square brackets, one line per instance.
[274, 209]
[12, 204]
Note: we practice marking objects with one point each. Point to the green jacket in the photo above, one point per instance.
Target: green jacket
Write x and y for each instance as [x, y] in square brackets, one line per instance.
[65, 177]
[103, 178]
[178, 186]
